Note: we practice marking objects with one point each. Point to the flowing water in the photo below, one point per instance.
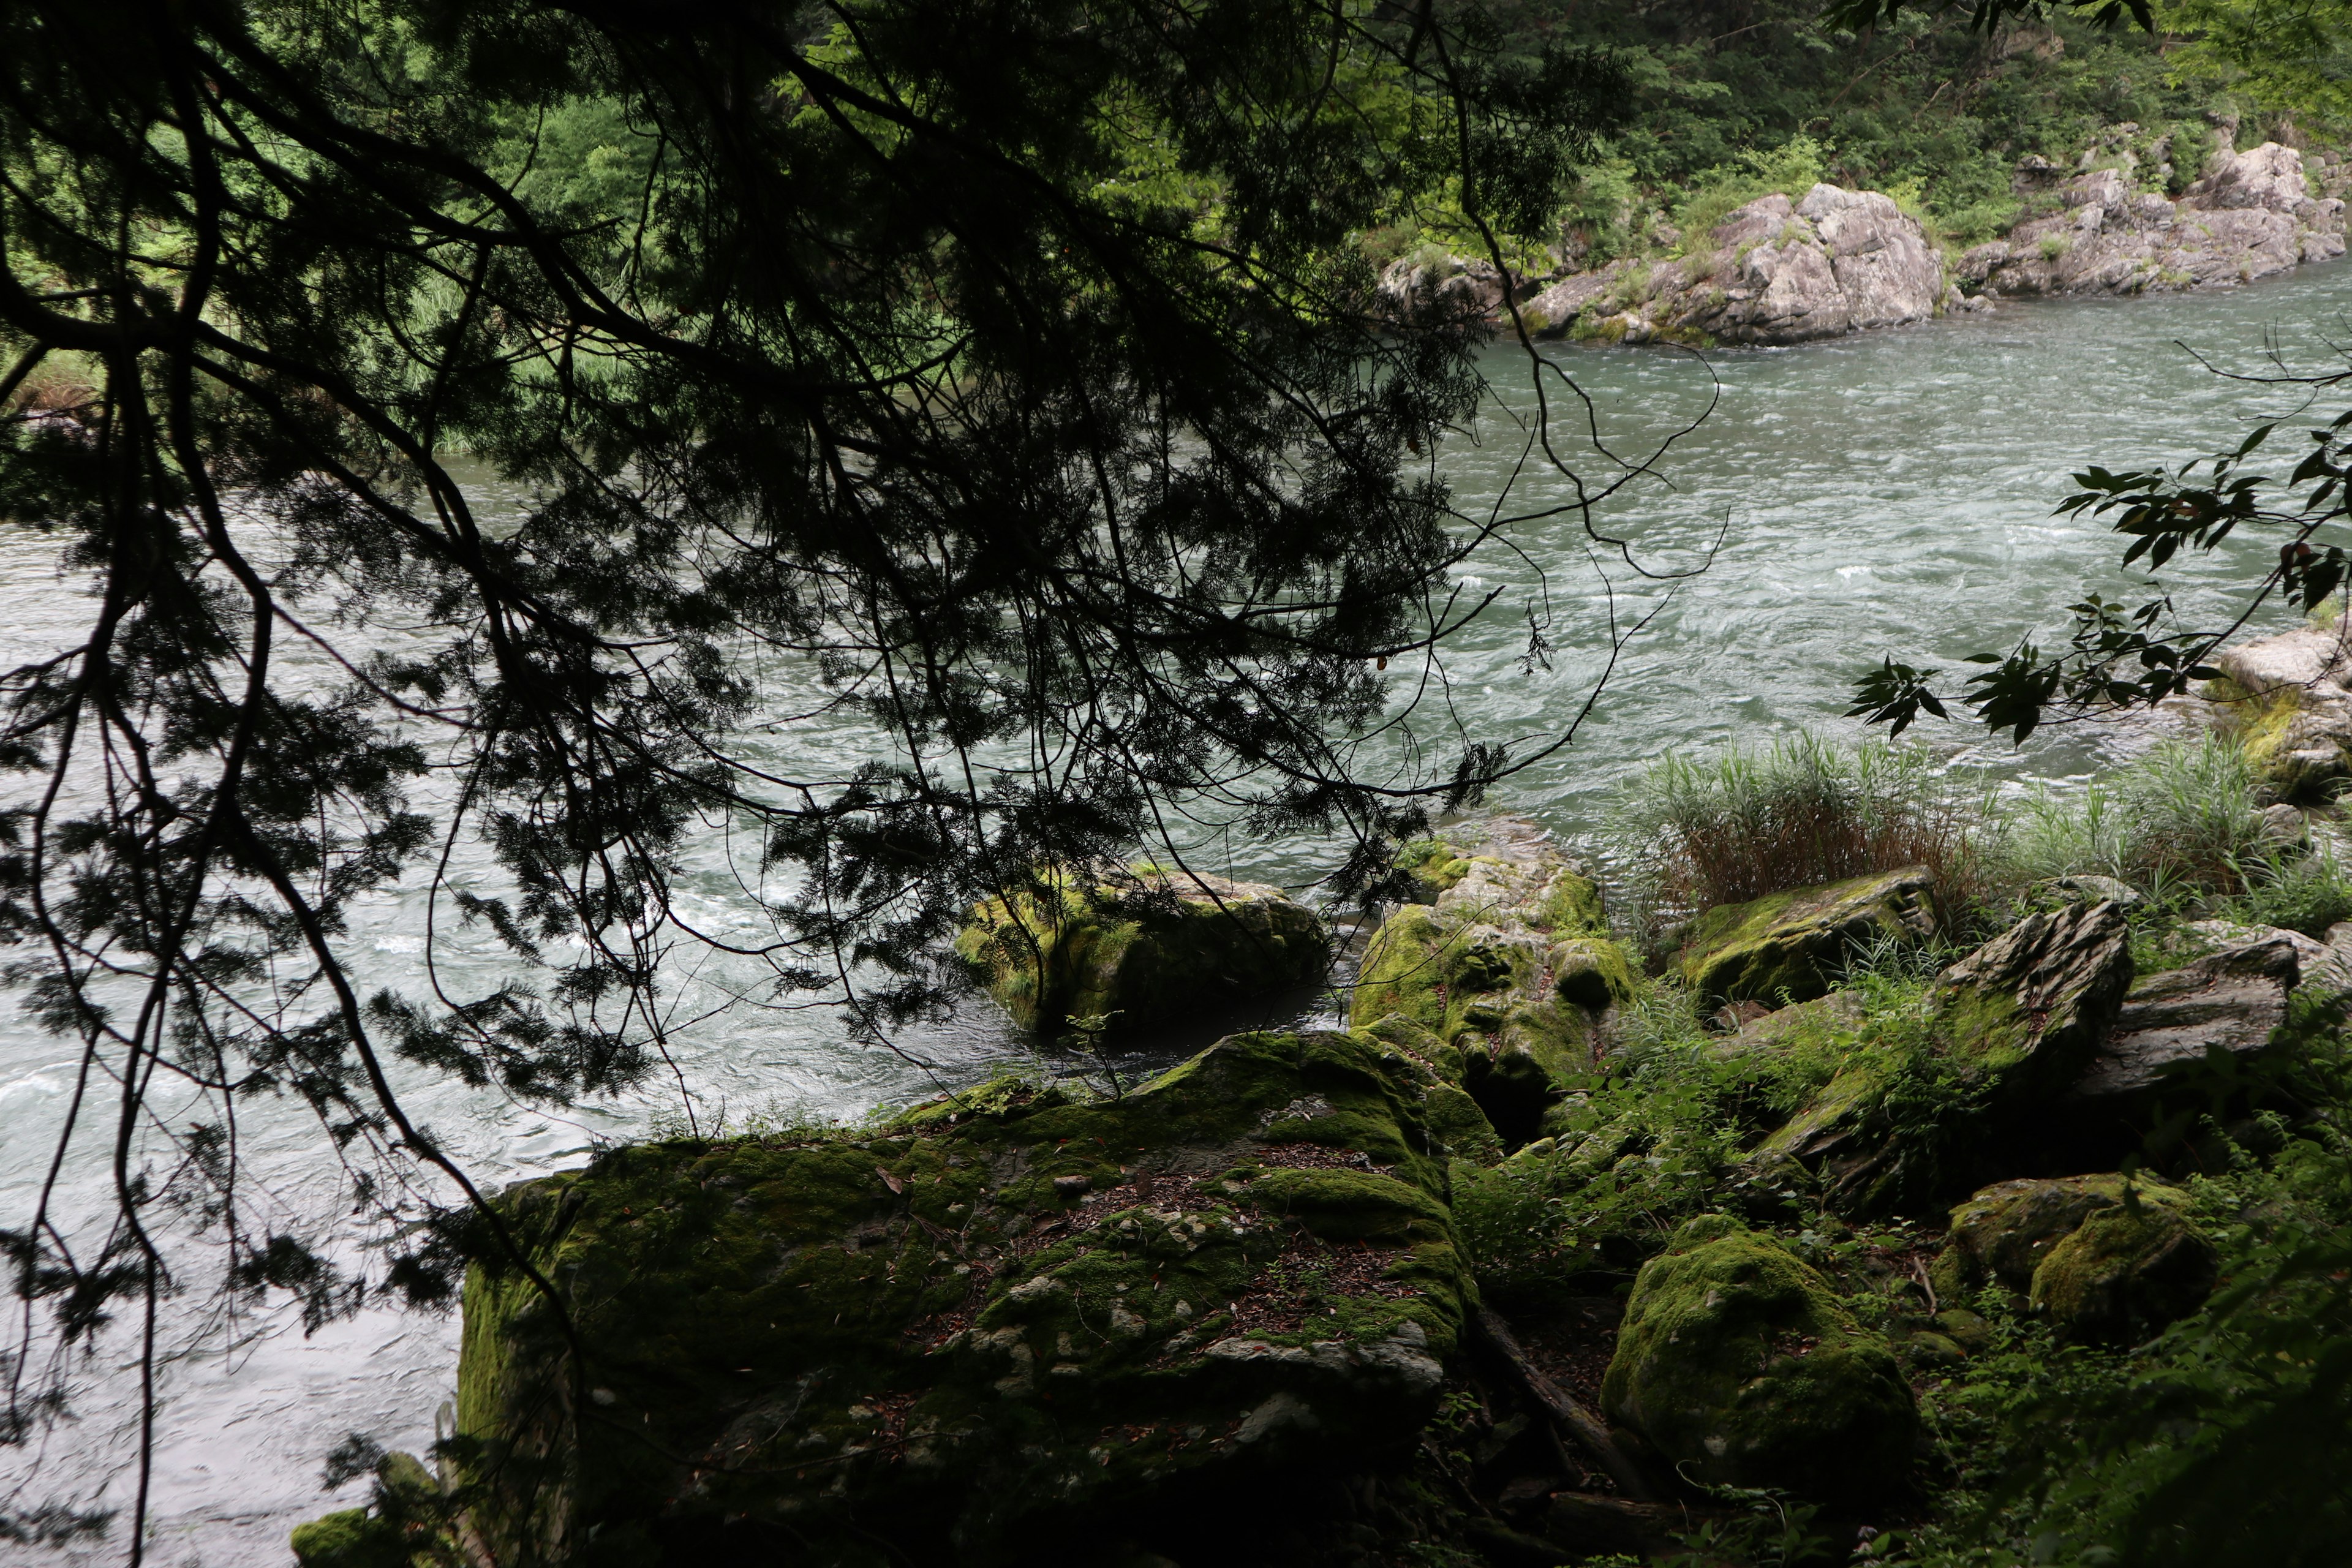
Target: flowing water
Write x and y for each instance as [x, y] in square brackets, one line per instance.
[1885, 493]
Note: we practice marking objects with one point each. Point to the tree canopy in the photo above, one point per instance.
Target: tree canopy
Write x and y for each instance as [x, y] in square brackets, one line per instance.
[997, 377]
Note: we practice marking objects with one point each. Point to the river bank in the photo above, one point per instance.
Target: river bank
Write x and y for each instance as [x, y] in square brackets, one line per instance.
[1586, 1230]
[1795, 266]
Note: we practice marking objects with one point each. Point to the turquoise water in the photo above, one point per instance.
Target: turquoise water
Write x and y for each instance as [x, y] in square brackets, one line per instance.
[1889, 494]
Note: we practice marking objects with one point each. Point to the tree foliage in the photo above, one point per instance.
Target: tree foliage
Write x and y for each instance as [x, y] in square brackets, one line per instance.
[997, 379]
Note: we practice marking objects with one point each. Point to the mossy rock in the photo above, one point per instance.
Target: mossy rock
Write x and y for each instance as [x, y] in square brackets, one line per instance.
[2028, 1008]
[353, 1538]
[1740, 1366]
[1434, 969]
[1457, 1122]
[1140, 950]
[1434, 865]
[980, 1325]
[1592, 972]
[2106, 1258]
[1789, 947]
[2298, 744]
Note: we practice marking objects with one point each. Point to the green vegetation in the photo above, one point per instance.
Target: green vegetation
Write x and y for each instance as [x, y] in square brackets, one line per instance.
[1726, 104]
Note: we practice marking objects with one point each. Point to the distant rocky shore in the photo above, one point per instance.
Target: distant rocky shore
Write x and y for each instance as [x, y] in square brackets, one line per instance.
[1838, 261]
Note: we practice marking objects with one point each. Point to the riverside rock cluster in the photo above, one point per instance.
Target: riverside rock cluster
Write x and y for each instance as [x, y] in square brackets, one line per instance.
[1230, 1317]
[1837, 261]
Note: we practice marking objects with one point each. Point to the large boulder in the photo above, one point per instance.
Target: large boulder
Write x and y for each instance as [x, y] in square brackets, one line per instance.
[1771, 272]
[1739, 1366]
[1140, 947]
[2104, 1258]
[1789, 947]
[2007, 1028]
[1510, 968]
[977, 1333]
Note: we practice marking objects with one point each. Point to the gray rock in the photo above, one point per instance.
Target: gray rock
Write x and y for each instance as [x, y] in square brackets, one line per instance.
[2122, 895]
[2030, 1006]
[2307, 657]
[2251, 216]
[2231, 1000]
[1772, 272]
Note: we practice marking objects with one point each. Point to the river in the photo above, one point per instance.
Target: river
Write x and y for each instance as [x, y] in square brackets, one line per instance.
[1884, 493]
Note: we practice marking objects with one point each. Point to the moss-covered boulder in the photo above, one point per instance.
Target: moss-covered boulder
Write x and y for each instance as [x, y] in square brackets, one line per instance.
[350, 1537]
[1140, 948]
[1510, 968]
[1741, 1365]
[2106, 1257]
[1789, 947]
[2031, 1007]
[982, 1330]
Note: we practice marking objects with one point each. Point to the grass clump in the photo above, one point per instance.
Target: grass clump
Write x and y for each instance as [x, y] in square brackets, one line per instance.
[1800, 813]
[2185, 817]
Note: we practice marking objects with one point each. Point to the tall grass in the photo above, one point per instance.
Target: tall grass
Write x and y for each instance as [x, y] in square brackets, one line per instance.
[2183, 817]
[1802, 812]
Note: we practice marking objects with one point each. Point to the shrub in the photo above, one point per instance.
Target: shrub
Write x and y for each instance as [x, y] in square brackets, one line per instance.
[1800, 813]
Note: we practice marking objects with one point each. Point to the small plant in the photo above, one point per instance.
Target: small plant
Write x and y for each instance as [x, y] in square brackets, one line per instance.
[2055, 246]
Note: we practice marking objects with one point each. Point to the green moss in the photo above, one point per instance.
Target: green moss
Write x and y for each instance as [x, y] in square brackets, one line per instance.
[1786, 947]
[1740, 1366]
[1434, 970]
[1076, 952]
[1455, 1122]
[1592, 972]
[926, 1327]
[351, 1539]
[1571, 907]
[2123, 1272]
[2104, 1256]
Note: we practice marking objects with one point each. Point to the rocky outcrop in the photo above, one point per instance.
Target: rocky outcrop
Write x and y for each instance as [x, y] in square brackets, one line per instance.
[1508, 969]
[975, 1333]
[2106, 1258]
[1788, 947]
[2252, 216]
[1741, 1367]
[2011, 1026]
[1136, 947]
[1771, 272]
[2030, 1007]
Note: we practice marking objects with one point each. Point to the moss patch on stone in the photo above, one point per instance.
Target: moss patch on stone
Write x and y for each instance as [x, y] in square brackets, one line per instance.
[1786, 947]
[1741, 1365]
[980, 1314]
[2104, 1256]
[1136, 955]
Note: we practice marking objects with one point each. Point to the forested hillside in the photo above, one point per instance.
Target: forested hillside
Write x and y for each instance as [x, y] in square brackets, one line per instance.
[1724, 97]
